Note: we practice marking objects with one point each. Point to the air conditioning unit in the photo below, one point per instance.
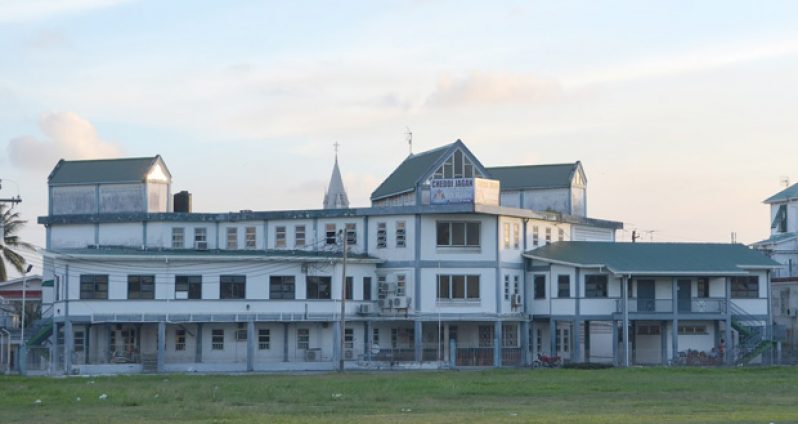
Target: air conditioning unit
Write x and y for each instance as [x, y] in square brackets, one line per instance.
[516, 300]
[386, 303]
[312, 355]
[364, 309]
[400, 302]
[349, 354]
[200, 245]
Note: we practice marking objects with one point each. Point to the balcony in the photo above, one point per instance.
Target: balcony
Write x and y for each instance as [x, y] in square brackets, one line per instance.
[704, 305]
[788, 273]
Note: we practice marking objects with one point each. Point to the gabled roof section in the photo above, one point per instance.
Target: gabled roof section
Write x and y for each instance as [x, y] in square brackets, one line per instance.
[536, 176]
[656, 258]
[419, 166]
[124, 170]
[785, 195]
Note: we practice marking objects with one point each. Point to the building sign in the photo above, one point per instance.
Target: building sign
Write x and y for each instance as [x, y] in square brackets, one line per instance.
[464, 190]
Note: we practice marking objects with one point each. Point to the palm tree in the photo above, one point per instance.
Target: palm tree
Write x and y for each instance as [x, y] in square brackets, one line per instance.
[8, 228]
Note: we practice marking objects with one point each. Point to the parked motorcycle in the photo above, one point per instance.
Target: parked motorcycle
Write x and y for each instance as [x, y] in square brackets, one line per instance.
[546, 361]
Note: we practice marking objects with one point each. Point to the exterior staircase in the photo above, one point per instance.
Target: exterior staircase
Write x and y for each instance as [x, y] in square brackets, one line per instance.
[38, 334]
[754, 338]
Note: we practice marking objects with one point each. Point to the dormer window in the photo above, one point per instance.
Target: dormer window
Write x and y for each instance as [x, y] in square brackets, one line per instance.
[780, 221]
[456, 166]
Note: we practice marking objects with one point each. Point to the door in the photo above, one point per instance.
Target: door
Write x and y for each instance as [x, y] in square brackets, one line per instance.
[683, 295]
[645, 296]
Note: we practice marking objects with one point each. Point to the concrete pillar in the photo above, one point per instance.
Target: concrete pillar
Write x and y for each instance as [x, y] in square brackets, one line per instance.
[663, 341]
[575, 344]
[587, 341]
[452, 353]
[285, 342]
[22, 358]
[625, 294]
[675, 321]
[198, 347]
[497, 344]
[336, 342]
[417, 340]
[728, 328]
[161, 347]
[614, 342]
[368, 340]
[68, 347]
[552, 337]
[251, 336]
[87, 342]
[525, 342]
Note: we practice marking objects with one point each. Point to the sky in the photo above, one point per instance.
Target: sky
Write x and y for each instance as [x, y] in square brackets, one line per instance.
[682, 112]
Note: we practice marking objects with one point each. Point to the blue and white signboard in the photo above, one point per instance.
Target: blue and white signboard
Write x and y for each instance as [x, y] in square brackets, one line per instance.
[464, 190]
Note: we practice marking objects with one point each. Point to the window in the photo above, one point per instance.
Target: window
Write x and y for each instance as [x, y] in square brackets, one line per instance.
[279, 236]
[318, 287]
[303, 338]
[540, 287]
[382, 290]
[264, 339]
[93, 286]
[241, 333]
[509, 335]
[351, 233]
[282, 287]
[401, 285]
[349, 338]
[457, 166]
[250, 242]
[539, 340]
[458, 234]
[535, 236]
[400, 234]
[232, 287]
[563, 286]
[178, 238]
[703, 287]
[141, 287]
[232, 238]
[458, 287]
[745, 287]
[516, 285]
[217, 339]
[330, 237]
[561, 234]
[485, 336]
[180, 339]
[188, 287]
[366, 288]
[595, 286]
[375, 336]
[563, 338]
[506, 235]
[506, 287]
[780, 220]
[299, 236]
[548, 235]
[200, 234]
[382, 235]
[692, 329]
[648, 330]
[79, 340]
[349, 289]
[516, 236]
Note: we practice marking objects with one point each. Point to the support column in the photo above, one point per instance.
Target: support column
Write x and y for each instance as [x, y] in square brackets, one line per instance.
[663, 341]
[161, 340]
[417, 340]
[625, 294]
[552, 337]
[251, 345]
[198, 345]
[576, 335]
[87, 342]
[587, 341]
[68, 342]
[525, 342]
[336, 342]
[368, 340]
[497, 344]
[109, 330]
[614, 342]
[285, 341]
[675, 321]
[728, 327]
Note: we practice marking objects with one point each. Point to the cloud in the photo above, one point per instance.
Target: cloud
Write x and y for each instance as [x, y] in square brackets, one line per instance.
[493, 88]
[27, 10]
[67, 136]
[49, 39]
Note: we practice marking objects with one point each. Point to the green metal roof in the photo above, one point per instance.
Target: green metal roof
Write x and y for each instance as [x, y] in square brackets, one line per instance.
[308, 255]
[124, 170]
[655, 258]
[788, 193]
[406, 175]
[534, 176]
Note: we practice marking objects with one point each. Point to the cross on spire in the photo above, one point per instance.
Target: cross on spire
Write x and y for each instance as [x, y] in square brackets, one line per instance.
[336, 145]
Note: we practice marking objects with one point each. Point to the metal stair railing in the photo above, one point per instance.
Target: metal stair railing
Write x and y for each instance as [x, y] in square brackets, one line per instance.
[754, 338]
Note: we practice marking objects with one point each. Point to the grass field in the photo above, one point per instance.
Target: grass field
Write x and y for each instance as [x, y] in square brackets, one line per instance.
[694, 395]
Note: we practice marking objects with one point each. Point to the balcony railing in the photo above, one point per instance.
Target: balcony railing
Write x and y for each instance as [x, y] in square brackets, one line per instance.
[704, 305]
[786, 272]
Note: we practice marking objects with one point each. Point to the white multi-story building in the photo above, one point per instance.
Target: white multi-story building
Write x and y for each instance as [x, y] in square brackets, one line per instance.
[444, 268]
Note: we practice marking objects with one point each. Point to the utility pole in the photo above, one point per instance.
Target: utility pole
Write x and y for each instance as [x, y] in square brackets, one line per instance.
[11, 199]
[342, 323]
[24, 293]
[635, 236]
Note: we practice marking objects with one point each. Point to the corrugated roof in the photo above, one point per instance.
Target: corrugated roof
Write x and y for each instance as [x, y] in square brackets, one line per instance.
[405, 176]
[788, 193]
[102, 170]
[656, 258]
[534, 176]
[217, 253]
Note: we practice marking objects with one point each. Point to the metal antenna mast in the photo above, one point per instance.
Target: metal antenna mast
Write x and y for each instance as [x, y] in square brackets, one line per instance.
[409, 135]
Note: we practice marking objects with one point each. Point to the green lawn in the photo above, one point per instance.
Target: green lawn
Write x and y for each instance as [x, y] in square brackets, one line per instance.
[686, 395]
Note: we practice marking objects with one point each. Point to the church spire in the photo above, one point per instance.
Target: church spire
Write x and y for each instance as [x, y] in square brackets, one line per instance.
[336, 197]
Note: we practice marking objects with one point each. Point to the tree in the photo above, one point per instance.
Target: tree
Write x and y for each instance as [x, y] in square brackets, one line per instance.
[11, 224]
